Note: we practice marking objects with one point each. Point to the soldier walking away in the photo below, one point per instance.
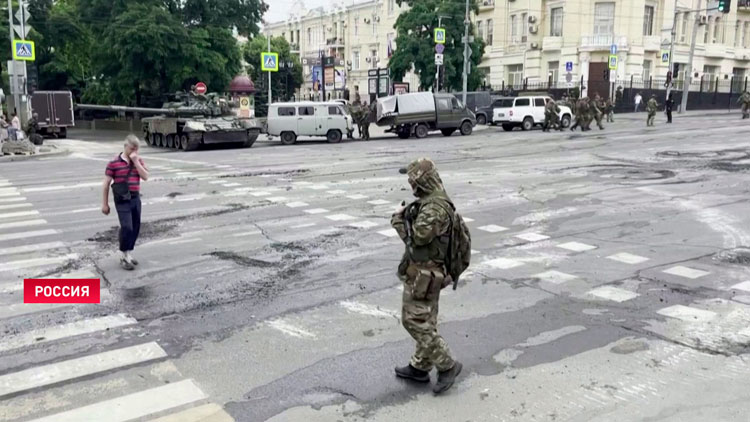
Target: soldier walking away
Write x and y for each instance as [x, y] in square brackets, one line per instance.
[582, 111]
[668, 106]
[438, 249]
[551, 116]
[651, 107]
[364, 122]
[609, 110]
[124, 174]
[745, 101]
[597, 108]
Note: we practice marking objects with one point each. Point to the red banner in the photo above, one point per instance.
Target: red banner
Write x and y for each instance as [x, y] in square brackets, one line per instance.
[56, 290]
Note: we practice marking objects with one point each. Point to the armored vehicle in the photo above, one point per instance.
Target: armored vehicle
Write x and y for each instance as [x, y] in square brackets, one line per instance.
[190, 121]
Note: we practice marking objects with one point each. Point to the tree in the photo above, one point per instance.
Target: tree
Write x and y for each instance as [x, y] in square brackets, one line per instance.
[415, 45]
[283, 82]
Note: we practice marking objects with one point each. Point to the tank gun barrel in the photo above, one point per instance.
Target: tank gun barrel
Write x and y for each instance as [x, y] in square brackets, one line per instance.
[143, 110]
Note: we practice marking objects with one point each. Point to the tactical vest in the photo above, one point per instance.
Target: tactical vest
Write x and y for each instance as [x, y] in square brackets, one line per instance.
[436, 250]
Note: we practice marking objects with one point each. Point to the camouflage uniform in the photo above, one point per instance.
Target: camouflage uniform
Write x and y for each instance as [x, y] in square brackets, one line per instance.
[651, 107]
[582, 114]
[422, 268]
[609, 110]
[745, 101]
[597, 108]
[551, 116]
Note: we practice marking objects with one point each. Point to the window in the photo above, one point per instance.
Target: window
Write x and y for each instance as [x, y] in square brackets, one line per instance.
[356, 25]
[373, 59]
[746, 35]
[718, 37]
[739, 79]
[604, 19]
[490, 31]
[480, 31]
[539, 102]
[309, 35]
[504, 103]
[299, 40]
[707, 29]
[283, 35]
[737, 33]
[444, 104]
[374, 25]
[291, 37]
[646, 70]
[286, 111]
[553, 72]
[307, 111]
[391, 6]
[524, 24]
[335, 111]
[556, 22]
[683, 31]
[335, 30]
[648, 20]
[355, 60]
[515, 75]
[454, 103]
[710, 74]
[523, 102]
[514, 27]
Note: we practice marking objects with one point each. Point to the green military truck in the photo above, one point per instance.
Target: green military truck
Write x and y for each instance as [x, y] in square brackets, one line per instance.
[422, 112]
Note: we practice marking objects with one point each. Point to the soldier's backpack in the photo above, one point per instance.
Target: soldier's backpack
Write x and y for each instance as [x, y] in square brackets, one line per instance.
[458, 257]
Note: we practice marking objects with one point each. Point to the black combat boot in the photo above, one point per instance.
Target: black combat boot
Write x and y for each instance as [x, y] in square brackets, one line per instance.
[447, 378]
[412, 373]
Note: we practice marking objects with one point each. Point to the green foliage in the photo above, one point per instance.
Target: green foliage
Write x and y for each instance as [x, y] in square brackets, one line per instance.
[415, 46]
[284, 81]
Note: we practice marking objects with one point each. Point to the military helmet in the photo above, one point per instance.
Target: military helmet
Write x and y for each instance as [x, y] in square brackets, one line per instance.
[423, 176]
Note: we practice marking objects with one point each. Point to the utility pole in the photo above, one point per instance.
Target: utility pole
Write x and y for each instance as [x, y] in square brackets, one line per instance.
[671, 53]
[269, 72]
[437, 67]
[689, 68]
[466, 52]
[12, 73]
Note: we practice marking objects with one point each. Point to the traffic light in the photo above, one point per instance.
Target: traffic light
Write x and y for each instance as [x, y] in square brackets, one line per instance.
[725, 5]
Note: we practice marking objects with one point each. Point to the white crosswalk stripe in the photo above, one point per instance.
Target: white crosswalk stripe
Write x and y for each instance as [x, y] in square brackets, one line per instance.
[25, 223]
[31, 248]
[25, 235]
[36, 262]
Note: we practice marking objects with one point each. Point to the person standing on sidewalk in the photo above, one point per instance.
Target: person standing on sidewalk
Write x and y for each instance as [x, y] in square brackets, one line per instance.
[15, 126]
[668, 106]
[124, 174]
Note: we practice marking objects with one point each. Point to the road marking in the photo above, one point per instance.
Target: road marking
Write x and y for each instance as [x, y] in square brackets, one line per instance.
[216, 182]
[17, 309]
[13, 206]
[296, 204]
[503, 263]
[532, 237]
[468, 220]
[184, 173]
[555, 277]
[364, 224]
[389, 232]
[686, 272]
[365, 309]
[318, 187]
[340, 217]
[687, 313]
[25, 223]
[492, 228]
[336, 192]
[133, 406]
[223, 166]
[8, 190]
[246, 234]
[211, 412]
[290, 329]
[300, 183]
[302, 226]
[71, 329]
[627, 258]
[14, 199]
[378, 202]
[357, 196]
[576, 246]
[744, 286]
[612, 293]
[31, 248]
[80, 367]
[24, 235]
[277, 199]
[181, 241]
[18, 214]
[62, 187]
[231, 185]
[317, 211]
[260, 193]
[36, 262]
[10, 194]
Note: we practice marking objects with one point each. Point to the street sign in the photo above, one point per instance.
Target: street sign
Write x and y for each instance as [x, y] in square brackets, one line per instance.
[568, 77]
[24, 33]
[23, 50]
[612, 62]
[568, 66]
[438, 59]
[439, 48]
[373, 85]
[570, 84]
[200, 88]
[439, 35]
[665, 56]
[613, 49]
[269, 62]
[22, 13]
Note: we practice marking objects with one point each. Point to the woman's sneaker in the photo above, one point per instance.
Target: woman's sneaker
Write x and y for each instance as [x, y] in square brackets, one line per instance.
[126, 265]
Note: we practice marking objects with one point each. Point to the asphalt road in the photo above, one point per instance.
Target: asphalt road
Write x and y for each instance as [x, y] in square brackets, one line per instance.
[609, 280]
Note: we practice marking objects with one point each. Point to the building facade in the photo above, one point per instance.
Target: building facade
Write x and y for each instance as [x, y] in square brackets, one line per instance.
[548, 41]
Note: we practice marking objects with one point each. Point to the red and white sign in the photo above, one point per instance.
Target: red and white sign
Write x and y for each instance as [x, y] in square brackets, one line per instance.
[201, 88]
[54, 290]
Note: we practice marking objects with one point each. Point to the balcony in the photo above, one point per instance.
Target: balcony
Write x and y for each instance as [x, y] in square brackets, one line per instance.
[294, 48]
[602, 42]
[743, 5]
[552, 43]
[335, 42]
[486, 5]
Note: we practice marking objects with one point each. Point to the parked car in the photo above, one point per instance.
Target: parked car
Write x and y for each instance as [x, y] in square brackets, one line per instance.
[420, 112]
[497, 102]
[292, 120]
[526, 112]
[478, 102]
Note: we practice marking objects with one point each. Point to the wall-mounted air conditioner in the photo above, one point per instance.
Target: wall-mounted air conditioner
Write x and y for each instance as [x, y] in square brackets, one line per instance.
[533, 29]
[534, 45]
[532, 19]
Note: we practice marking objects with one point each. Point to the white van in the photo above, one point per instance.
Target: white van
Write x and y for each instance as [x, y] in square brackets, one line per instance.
[292, 120]
[526, 112]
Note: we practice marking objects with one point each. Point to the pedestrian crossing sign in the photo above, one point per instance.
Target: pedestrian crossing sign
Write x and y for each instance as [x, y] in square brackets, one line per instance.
[612, 62]
[23, 50]
[269, 62]
[439, 35]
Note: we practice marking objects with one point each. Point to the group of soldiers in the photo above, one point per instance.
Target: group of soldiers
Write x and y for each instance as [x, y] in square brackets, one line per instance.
[585, 109]
[362, 114]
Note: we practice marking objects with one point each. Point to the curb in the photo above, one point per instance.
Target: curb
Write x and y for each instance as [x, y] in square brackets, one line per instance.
[10, 158]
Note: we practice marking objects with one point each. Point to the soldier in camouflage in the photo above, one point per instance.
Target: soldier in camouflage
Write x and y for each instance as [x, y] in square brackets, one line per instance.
[424, 227]
[745, 101]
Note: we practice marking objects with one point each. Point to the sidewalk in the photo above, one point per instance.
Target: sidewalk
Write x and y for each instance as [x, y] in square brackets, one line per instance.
[50, 148]
[641, 115]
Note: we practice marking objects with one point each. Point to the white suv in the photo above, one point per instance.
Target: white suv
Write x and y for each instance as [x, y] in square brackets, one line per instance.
[526, 112]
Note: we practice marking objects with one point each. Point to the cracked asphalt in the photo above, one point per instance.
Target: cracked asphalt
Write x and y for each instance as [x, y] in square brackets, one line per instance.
[609, 280]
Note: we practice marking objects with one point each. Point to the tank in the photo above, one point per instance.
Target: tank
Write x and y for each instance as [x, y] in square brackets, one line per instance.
[189, 121]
